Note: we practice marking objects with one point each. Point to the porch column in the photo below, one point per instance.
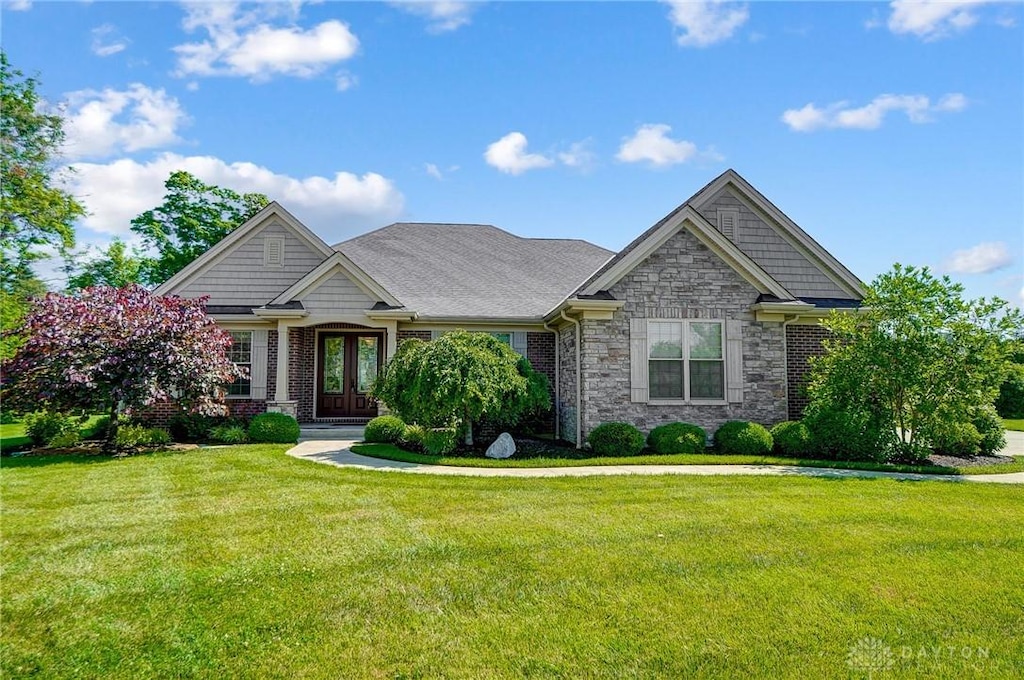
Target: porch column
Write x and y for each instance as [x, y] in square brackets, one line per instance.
[392, 339]
[281, 402]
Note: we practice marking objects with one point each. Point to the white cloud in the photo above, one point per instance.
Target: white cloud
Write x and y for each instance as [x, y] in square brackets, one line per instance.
[99, 124]
[107, 41]
[249, 44]
[706, 22]
[651, 143]
[980, 259]
[578, 155]
[918, 109]
[345, 81]
[509, 155]
[17, 5]
[192, 86]
[933, 19]
[116, 192]
[432, 170]
[442, 16]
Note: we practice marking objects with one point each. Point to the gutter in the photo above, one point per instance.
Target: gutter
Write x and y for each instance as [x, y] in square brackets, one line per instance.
[579, 382]
[558, 370]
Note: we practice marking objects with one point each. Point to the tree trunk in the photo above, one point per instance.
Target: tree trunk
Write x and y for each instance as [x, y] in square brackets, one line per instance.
[469, 431]
[108, 443]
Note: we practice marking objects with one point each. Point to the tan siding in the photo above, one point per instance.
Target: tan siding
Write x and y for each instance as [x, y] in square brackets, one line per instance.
[776, 255]
[242, 279]
[337, 294]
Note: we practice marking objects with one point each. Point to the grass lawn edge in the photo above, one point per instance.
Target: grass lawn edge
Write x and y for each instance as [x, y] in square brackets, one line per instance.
[391, 452]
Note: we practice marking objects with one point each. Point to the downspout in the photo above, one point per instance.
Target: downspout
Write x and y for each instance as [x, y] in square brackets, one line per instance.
[579, 382]
[558, 370]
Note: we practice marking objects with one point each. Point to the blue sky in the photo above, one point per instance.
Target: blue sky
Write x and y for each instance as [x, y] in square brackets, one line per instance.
[889, 131]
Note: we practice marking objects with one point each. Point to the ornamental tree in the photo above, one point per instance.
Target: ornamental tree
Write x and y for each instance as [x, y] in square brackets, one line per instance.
[111, 349]
[459, 379]
[916, 360]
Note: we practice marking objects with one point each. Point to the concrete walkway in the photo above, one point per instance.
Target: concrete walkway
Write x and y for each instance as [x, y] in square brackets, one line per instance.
[338, 453]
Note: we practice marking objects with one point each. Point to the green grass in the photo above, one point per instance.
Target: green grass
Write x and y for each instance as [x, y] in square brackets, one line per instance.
[390, 452]
[1014, 424]
[242, 562]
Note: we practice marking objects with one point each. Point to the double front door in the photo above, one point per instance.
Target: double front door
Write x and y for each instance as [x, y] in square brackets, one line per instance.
[348, 363]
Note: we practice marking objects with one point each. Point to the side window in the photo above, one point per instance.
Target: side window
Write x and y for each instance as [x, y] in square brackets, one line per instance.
[240, 354]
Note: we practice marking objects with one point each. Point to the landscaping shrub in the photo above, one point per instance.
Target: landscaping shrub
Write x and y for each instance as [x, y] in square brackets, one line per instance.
[66, 440]
[953, 438]
[847, 435]
[385, 429]
[990, 427]
[44, 426]
[1010, 403]
[738, 437]
[98, 430]
[791, 438]
[440, 441]
[616, 439]
[192, 427]
[274, 428]
[677, 438]
[7, 418]
[412, 438]
[133, 436]
[229, 434]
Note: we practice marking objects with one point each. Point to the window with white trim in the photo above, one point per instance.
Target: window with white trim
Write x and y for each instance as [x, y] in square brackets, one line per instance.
[686, 360]
[240, 353]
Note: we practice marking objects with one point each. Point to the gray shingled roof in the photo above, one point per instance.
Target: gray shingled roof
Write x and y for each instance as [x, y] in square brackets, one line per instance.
[473, 270]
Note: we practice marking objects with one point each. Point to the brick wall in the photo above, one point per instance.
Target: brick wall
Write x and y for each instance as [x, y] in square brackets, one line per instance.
[802, 343]
[683, 279]
[406, 334]
[540, 350]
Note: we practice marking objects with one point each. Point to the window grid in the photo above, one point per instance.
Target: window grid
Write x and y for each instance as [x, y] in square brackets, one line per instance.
[240, 354]
[686, 360]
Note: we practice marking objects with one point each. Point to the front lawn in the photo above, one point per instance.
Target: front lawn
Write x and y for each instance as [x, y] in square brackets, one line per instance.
[572, 458]
[1014, 424]
[13, 437]
[241, 561]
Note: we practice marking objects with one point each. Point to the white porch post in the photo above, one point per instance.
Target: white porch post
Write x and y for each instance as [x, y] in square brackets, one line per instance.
[392, 339]
[281, 402]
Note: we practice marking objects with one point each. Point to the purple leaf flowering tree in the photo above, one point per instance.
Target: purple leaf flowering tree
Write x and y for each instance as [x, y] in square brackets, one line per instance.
[111, 349]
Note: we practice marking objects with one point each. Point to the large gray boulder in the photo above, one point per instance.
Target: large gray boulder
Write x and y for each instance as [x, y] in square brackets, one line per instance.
[503, 447]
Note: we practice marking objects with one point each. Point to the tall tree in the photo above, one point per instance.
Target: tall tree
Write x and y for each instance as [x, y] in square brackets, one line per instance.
[115, 267]
[193, 217]
[115, 348]
[34, 213]
[918, 361]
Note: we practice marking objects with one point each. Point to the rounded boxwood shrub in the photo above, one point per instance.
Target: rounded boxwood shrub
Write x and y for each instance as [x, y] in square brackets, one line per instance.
[954, 438]
[616, 439]
[677, 438]
[791, 438]
[738, 437]
[274, 428]
[384, 429]
[846, 435]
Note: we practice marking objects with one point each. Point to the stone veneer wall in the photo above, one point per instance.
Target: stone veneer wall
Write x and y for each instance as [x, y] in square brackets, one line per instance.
[566, 399]
[802, 343]
[683, 279]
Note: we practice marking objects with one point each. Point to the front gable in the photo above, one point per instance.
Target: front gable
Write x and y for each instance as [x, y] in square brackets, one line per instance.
[253, 264]
[337, 286]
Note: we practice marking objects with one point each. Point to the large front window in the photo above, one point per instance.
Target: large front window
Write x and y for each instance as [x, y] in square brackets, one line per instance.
[686, 360]
[241, 354]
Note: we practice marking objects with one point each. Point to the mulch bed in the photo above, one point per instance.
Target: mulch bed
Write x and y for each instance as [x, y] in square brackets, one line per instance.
[96, 449]
[974, 461]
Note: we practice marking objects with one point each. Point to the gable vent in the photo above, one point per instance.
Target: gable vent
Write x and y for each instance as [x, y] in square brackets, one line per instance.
[273, 251]
[728, 219]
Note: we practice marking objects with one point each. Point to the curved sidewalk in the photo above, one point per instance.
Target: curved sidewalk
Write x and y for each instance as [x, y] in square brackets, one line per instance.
[337, 453]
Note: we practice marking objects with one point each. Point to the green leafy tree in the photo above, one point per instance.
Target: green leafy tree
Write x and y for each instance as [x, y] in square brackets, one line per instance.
[115, 267]
[193, 217]
[36, 215]
[916, 358]
[460, 379]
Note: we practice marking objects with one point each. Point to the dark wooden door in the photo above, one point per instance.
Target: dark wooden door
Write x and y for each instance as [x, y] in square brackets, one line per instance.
[348, 363]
